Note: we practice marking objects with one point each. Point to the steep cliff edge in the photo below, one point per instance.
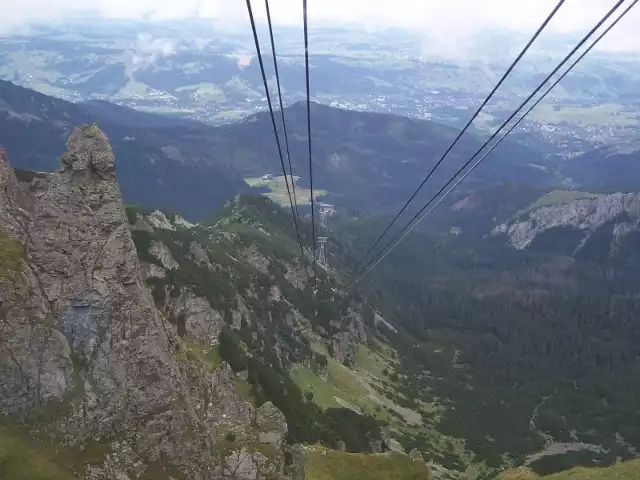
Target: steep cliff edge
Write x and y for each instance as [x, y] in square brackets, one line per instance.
[87, 362]
[582, 220]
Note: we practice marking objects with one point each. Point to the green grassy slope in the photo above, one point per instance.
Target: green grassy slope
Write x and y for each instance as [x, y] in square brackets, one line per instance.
[322, 464]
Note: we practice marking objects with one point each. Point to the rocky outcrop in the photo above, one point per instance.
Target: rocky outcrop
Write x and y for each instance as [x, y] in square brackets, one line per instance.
[160, 251]
[297, 275]
[272, 425]
[195, 313]
[343, 348]
[253, 256]
[81, 339]
[379, 322]
[586, 214]
[297, 463]
[152, 270]
[394, 445]
[199, 254]
[415, 454]
[356, 325]
[159, 219]
[344, 343]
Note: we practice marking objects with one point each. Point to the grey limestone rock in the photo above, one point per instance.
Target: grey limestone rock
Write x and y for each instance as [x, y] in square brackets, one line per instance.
[272, 425]
[344, 349]
[201, 321]
[199, 254]
[356, 325]
[585, 214]
[80, 336]
[375, 446]
[394, 445]
[253, 256]
[415, 454]
[297, 462]
[163, 254]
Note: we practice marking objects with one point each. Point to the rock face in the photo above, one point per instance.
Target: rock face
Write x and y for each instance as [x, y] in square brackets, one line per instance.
[587, 215]
[344, 343]
[81, 339]
[343, 347]
[163, 254]
[200, 319]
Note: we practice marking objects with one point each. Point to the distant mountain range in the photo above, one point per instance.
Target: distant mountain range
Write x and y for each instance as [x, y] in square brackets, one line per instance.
[158, 164]
[364, 160]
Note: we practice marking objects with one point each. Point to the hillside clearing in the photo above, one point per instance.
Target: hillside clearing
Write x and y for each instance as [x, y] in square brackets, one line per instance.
[323, 464]
[558, 197]
[278, 189]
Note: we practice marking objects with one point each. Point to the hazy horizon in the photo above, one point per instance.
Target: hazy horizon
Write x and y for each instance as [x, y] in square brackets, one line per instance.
[447, 26]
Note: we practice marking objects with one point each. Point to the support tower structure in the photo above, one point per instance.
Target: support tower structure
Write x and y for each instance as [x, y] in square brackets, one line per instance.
[326, 211]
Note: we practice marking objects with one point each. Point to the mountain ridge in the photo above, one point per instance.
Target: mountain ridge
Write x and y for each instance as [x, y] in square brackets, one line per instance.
[364, 160]
[86, 356]
[155, 163]
[599, 228]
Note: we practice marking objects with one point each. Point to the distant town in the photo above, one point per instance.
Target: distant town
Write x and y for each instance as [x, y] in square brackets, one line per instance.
[447, 107]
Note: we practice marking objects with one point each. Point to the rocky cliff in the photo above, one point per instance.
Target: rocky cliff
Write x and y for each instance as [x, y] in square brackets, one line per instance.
[86, 358]
[582, 217]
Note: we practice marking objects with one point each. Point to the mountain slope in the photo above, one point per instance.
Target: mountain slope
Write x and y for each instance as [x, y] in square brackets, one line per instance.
[89, 369]
[443, 377]
[538, 341]
[140, 335]
[371, 161]
[159, 164]
[600, 229]
[240, 279]
[364, 160]
[605, 169]
[188, 379]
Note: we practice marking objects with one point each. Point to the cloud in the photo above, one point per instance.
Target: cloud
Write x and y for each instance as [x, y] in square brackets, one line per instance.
[450, 24]
[148, 50]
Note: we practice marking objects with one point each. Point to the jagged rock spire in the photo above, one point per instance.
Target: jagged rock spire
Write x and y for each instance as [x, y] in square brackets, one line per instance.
[89, 149]
[83, 340]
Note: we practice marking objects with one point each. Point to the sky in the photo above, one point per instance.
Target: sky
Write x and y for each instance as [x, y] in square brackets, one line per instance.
[453, 22]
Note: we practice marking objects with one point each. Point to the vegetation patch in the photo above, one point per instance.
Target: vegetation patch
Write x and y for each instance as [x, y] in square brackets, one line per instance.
[315, 387]
[372, 362]
[11, 255]
[209, 92]
[345, 388]
[323, 464]
[22, 460]
[278, 189]
[208, 355]
[558, 197]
